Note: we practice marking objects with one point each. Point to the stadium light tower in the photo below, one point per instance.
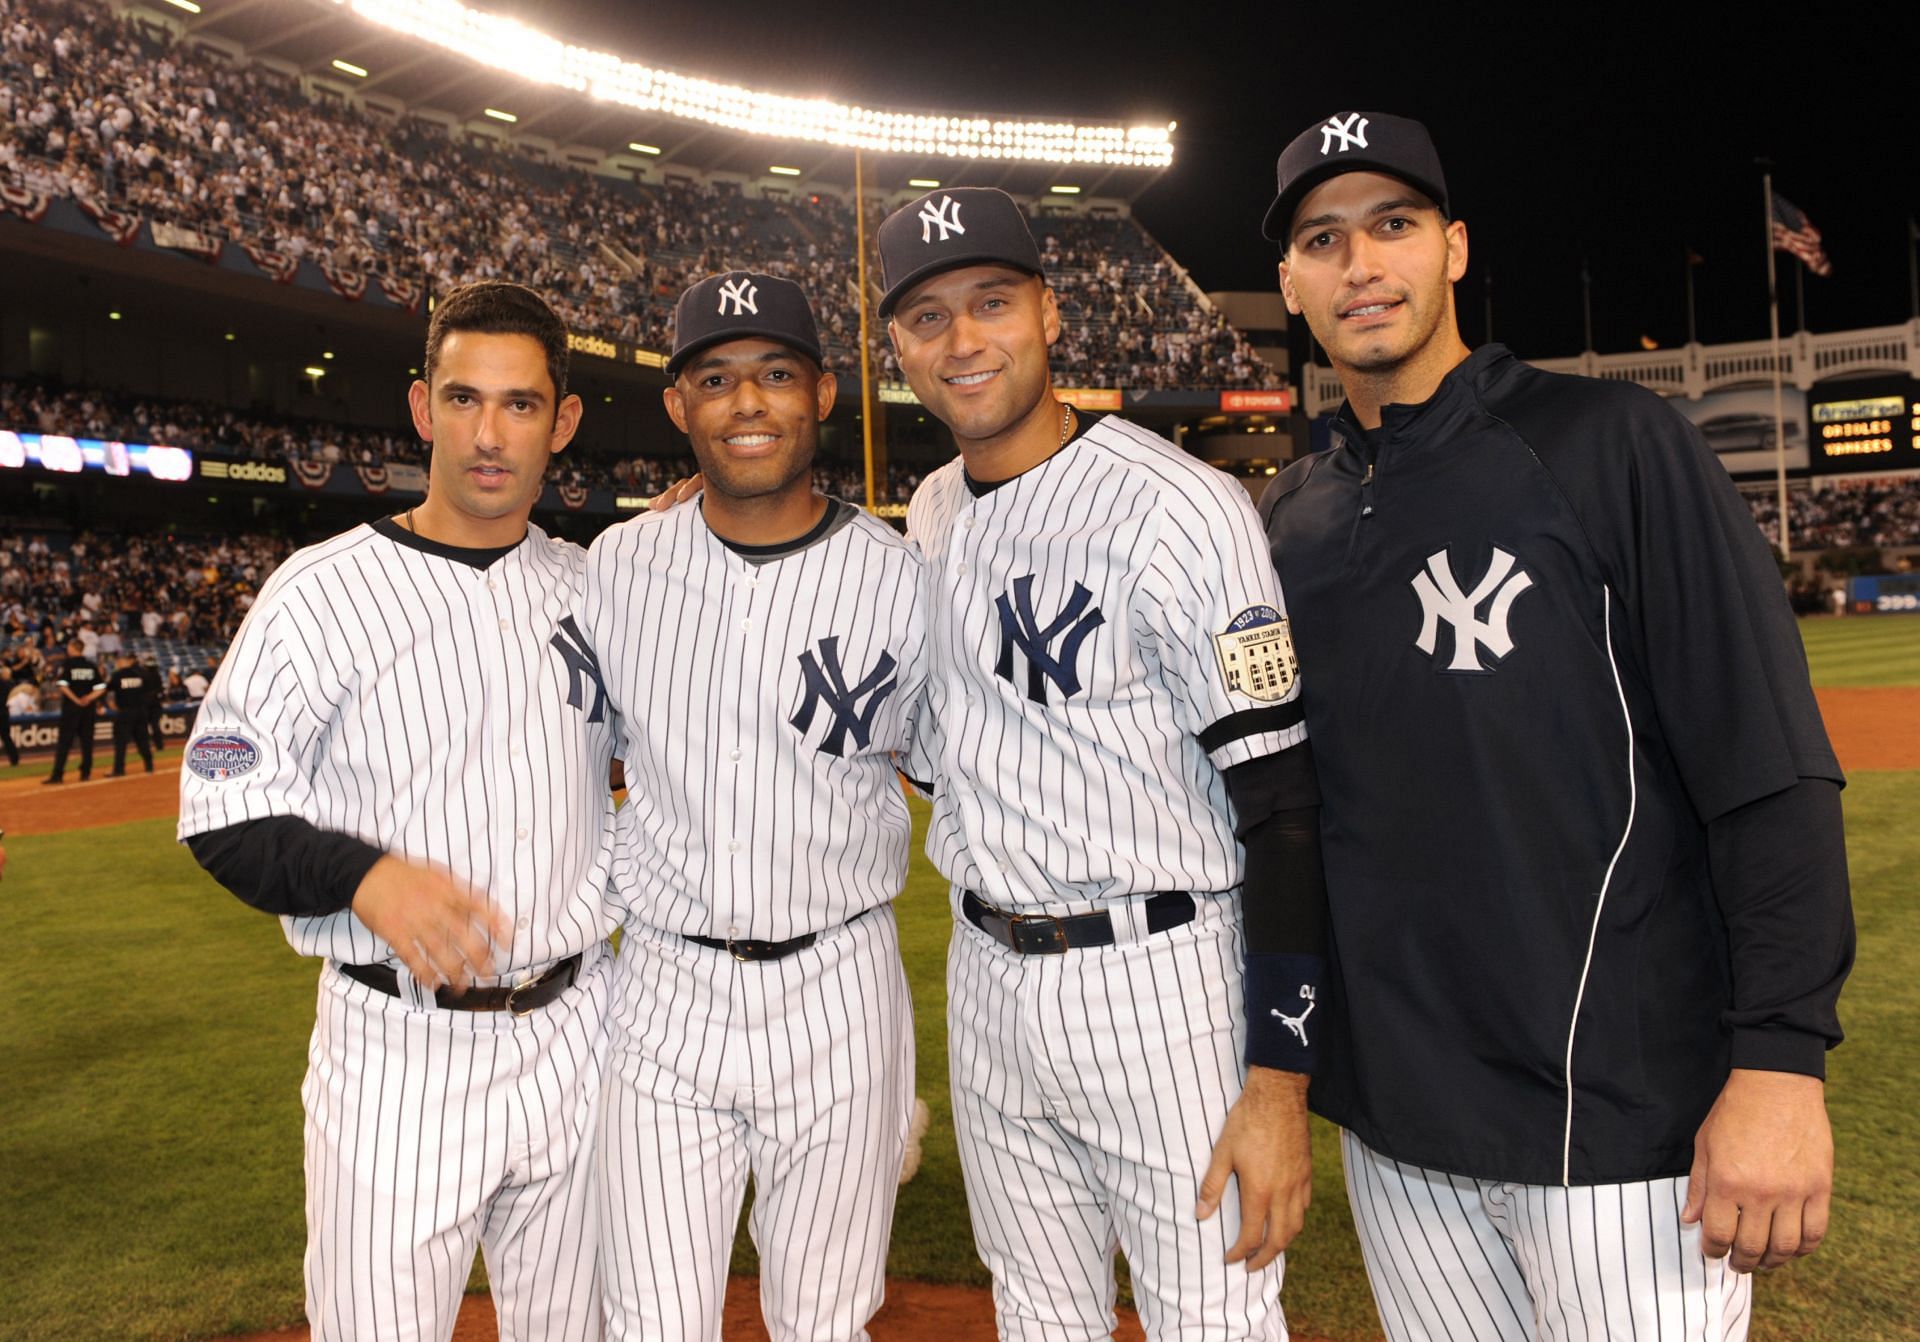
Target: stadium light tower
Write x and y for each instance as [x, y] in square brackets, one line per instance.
[506, 44]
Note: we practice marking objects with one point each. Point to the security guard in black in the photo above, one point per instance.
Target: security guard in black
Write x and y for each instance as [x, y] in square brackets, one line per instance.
[133, 688]
[81, 690]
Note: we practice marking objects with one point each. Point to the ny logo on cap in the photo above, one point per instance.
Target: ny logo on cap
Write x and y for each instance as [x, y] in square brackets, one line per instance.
[742, 294]
[936, 216]
[1350, 134]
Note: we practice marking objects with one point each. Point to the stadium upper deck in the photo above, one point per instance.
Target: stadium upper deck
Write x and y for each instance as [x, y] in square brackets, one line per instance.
[213, 144]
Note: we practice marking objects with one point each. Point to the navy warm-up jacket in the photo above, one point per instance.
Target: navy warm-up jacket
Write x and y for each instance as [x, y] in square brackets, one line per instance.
[1548, 667]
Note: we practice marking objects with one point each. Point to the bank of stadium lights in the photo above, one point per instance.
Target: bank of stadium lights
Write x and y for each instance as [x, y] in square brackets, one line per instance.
[314, 370]
[1064, 190]
[639, 148]
[924, 183]
[187, 5]
[498, 115]
[509, 45]
[349, 68]
[779, 171]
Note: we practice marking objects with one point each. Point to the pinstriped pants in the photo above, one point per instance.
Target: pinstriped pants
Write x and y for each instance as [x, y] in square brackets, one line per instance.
[1088, 1090]
[798, 1070]
[1469, 1260]
[429, 1131]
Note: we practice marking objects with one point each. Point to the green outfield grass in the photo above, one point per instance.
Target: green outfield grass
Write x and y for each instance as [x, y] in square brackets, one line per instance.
[153, 1032]
[1862, 650]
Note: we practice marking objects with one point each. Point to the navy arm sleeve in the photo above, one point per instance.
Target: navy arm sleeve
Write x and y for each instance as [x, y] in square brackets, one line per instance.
[1276, 802]
[285, 865]
[1779, 870]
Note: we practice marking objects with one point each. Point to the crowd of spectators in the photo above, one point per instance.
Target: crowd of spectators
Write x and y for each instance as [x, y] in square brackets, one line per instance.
[111, 113]
[176, 599]
[1879, 515]
[39, 407]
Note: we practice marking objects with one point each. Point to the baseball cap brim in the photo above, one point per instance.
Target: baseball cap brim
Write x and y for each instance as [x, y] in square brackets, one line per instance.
[712, 338]
[913, 279]
[1278, 223]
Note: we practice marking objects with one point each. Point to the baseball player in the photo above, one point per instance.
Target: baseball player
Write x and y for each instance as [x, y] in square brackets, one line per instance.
[764, 651]
[1583, 841]
[405, 754]
[81, 690]
[132, 689]
[1116, 713]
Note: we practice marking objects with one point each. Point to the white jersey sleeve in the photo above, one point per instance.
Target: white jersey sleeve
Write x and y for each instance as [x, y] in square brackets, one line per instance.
[1211, 604]
[254, 741]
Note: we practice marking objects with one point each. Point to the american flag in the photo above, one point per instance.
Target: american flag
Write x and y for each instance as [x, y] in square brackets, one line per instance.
[1793, 232]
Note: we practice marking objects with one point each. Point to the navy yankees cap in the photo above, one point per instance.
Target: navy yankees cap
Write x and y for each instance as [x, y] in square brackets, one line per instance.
[1354, 142]
[742, 305]
[944, 230]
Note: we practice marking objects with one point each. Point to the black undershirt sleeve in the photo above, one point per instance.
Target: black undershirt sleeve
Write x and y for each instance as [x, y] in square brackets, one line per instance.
[1276, 801]
[1779, 869]
[285, 865]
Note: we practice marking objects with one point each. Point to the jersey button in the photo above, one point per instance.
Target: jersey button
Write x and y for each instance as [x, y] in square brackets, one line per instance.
[492, 586]
[503, 624]
[525, 923]
[733, 845]
[968, 524]
[961, 569]
[746, 624]
[734, 755]
[519, 834]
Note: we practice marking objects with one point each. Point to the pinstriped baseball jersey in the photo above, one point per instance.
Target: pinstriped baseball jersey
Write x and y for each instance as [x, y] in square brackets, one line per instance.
[1107, 635]
[382, 690]
[760, 704]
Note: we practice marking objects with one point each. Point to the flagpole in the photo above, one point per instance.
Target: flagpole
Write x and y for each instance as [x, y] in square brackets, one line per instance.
[1779, 411]
[1586, 301]
[1913, 263]
[866, 352]
[1800, 293]
[1693, 336]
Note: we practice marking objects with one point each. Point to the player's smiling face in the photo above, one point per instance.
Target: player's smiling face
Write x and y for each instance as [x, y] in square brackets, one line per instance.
[1371, 265]
[973, 343]
[492, 420]
[752, 410]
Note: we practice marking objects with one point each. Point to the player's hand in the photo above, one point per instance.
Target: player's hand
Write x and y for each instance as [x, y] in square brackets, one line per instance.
[1762, 1179]
[677, 492]
[443, 931]
[1265, 1145]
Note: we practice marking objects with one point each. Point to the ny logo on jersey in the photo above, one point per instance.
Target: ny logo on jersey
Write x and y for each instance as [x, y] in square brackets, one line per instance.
[582, 666]
[742, 294]
[827, 683]
[1351, 135]
[945, 216]
[1019, 628]
[1298, 1024]
[1441, 599]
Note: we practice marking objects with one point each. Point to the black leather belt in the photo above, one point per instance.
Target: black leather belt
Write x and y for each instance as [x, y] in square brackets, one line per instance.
[519, 998]
[765, 950]
[1044, 934]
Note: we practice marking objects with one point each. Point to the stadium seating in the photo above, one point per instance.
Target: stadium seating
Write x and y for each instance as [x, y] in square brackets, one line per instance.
[104, 111]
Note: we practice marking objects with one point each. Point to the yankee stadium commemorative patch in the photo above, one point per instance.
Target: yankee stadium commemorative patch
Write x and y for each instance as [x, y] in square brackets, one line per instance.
[219, 756]
[1256, 654]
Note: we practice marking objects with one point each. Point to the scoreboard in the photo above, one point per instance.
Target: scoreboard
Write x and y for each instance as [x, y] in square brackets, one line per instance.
[1869, 427]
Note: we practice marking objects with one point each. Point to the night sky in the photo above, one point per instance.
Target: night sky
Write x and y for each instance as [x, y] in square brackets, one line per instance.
[1624, 138]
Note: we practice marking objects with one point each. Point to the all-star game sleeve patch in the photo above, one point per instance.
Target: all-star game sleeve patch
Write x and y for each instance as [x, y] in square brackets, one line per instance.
[1256, 655]
[221, 756]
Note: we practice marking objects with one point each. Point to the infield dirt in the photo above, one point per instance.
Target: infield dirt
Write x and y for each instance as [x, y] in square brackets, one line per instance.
[1871, 729]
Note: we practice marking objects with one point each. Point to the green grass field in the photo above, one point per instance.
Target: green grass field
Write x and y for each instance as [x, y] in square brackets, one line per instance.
[152, 1039]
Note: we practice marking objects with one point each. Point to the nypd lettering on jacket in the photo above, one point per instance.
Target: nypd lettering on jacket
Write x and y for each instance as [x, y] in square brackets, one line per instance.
[383, 687]
[761, 705]
[1107, 635]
